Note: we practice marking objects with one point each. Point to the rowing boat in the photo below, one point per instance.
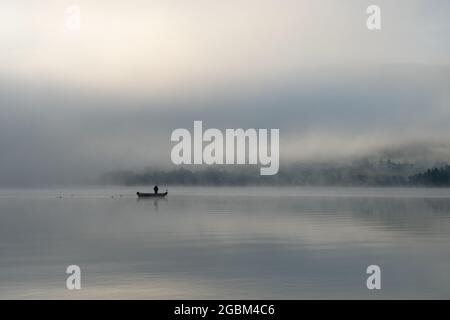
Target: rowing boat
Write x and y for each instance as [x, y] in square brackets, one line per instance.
[151, 195]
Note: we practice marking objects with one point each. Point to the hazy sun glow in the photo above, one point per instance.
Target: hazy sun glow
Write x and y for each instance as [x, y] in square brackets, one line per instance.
[74, 103]
[165, 45]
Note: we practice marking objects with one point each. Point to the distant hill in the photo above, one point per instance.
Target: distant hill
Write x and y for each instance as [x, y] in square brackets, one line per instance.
[438, 177]
[358, 173]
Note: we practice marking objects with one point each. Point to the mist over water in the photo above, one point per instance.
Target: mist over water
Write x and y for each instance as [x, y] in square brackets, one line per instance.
[74, 105]
[98, 104]
[249, 243]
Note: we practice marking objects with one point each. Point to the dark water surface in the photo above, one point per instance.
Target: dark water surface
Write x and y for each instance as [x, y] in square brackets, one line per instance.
[226, 243]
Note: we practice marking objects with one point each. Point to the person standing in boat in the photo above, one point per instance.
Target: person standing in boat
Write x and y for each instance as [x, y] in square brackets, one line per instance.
[156, 189]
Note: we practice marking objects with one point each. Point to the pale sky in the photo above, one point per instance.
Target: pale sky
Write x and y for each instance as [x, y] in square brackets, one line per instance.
[73, 103]
[168, 45]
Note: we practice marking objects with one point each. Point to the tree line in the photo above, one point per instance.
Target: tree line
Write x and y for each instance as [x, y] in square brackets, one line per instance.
[363, 173]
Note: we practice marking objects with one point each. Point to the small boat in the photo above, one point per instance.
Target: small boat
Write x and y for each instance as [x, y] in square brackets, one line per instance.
[151, 195]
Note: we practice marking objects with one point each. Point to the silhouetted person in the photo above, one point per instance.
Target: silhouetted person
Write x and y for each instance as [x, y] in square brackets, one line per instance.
[156, 189]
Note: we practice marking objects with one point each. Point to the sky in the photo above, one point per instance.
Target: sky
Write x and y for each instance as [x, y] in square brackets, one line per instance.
[77, 103]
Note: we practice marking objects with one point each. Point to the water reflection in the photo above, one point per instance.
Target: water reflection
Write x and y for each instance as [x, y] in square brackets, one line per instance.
[156, 201]
[226, 243]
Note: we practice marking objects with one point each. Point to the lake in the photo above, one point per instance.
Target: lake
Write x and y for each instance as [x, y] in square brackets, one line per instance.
[225, 243]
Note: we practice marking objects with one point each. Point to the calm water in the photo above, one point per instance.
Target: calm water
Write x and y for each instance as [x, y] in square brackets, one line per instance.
[229, 243]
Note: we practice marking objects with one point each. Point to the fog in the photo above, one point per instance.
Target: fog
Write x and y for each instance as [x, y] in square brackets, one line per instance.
[74, 105]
